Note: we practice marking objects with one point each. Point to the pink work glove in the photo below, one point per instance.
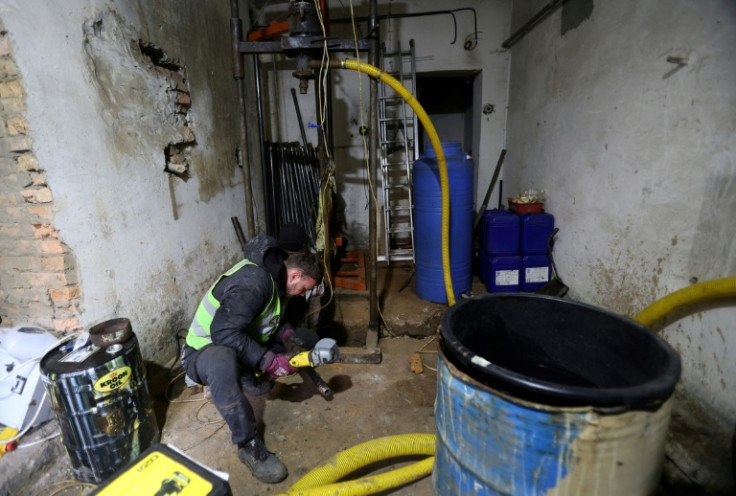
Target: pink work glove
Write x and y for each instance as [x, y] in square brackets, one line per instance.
[291, 340]
[277, 365]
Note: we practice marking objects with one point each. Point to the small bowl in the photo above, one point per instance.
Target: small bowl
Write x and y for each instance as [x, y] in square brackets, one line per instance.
[110, 332]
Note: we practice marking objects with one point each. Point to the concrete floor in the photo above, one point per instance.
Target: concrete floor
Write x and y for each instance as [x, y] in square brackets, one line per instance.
[304, 429]
[369, 401]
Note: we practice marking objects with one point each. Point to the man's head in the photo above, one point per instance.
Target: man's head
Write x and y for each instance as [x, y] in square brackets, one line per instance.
[303, 272]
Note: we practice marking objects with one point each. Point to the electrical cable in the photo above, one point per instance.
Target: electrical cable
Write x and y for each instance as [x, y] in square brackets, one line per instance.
[64, 485]
[38, 441]
[421, 350]
[180, 373]
[206, 422]
[385, 324]
[366, 152]
[328, 173]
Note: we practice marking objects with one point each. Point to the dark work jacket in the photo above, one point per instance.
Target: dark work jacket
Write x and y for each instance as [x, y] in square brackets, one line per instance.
[243, 296]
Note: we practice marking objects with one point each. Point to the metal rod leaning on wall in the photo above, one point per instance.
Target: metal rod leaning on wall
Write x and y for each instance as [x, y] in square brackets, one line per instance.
[531, 23]
[309, 193]
[238, 74]
[300, 190]
[299, 117]
[238, 231]
[496, 171]
[283, 206]
[301, 198]
[293, 185]
[271, 182]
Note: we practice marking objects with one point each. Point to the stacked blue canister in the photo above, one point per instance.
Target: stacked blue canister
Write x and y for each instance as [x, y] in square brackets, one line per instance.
[513, 251]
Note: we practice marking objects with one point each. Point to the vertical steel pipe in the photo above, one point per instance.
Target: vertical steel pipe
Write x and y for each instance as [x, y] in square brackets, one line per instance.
[374, 35]
[271, 227]
[238, 74]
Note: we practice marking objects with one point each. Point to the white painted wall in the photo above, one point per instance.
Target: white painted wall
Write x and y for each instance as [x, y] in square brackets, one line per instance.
[433, 36]
[147, 244]
[636, 156]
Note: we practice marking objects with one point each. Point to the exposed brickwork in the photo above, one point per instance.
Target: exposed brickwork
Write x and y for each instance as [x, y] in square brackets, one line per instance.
[176, 153]
[39, 280]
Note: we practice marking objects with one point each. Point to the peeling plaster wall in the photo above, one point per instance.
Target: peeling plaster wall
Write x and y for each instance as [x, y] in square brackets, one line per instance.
[101, 114]
[636, 155]
[435, 52]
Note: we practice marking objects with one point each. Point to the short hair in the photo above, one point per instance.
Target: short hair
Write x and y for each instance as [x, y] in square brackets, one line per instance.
[309, 263]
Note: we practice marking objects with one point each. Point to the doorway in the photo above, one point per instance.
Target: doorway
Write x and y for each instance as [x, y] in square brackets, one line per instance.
[448, 98]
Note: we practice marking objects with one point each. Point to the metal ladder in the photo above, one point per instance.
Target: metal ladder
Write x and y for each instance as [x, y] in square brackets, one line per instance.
[399, 147]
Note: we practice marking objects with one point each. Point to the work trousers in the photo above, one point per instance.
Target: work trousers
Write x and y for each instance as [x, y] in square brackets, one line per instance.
[218, 367]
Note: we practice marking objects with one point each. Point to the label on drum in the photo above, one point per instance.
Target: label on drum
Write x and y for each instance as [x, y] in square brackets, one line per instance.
[79, 355]
[113, 380]
[507, 277]
[536, 274]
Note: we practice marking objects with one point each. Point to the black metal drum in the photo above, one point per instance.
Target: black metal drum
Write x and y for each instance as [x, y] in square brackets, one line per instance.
[100, 398]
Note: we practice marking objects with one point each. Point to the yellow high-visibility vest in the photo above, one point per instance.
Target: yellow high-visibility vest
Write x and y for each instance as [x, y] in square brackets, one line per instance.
[260, 329]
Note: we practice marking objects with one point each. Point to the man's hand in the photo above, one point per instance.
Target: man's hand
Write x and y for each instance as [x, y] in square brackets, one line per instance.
[277, 364]
[291, 341]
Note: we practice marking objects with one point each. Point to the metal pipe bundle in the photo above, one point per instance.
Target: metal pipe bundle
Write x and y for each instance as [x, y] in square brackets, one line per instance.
[292, 181]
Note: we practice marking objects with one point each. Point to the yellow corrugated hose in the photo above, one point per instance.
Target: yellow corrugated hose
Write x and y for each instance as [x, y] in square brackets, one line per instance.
[377, 73]
[321, 480]
[701, 291]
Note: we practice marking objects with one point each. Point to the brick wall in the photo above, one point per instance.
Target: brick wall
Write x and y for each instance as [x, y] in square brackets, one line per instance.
[38, 273]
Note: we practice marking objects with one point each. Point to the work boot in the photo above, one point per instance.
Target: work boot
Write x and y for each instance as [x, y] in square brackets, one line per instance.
[266, 467]
[255, 386]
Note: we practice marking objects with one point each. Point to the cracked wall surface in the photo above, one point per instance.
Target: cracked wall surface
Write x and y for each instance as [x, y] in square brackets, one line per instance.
[133, 118]
[145, 93]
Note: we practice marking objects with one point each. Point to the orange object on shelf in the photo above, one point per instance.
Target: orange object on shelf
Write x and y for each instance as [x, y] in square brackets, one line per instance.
[351, 274]
[271, 32]
[525, 208]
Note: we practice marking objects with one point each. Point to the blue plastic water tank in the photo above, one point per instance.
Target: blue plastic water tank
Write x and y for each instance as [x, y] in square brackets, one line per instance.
[430, 283]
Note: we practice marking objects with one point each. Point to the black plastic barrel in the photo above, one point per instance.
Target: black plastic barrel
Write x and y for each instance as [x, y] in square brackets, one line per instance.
[538, 394]
[100, 398]
[559, 351]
